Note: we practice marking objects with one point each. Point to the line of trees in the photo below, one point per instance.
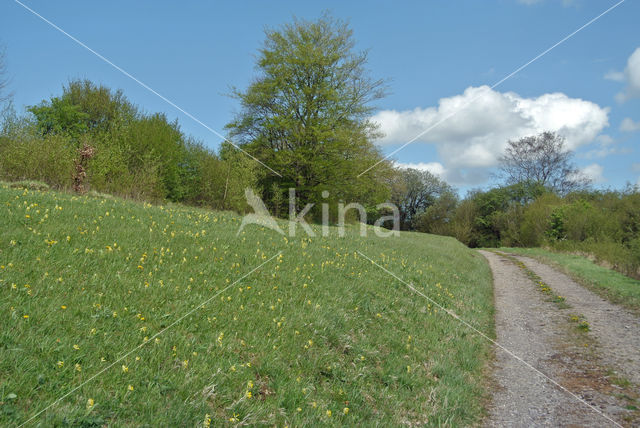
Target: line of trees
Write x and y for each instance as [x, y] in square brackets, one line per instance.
[307, 116]
[135, 154]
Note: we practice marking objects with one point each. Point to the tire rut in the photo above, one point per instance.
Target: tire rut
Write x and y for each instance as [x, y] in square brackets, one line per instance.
[536, 330]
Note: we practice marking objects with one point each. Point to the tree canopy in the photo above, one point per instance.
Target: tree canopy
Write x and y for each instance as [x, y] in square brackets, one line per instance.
[542, 159]
[306, 114]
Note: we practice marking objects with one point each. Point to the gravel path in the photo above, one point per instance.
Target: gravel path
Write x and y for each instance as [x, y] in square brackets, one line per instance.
[616, 329]
[539, 332]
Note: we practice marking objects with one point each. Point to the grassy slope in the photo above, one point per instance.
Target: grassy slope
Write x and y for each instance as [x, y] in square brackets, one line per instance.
[606, 282]
[318, 329]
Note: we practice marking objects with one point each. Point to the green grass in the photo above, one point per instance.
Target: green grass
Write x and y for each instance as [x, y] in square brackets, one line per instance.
[608, 283]
[313, 332]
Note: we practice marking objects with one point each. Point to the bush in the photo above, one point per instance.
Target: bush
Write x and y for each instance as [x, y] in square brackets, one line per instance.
[24, 155]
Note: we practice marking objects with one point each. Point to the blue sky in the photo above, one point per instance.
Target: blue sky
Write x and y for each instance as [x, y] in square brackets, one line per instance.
[441, 58]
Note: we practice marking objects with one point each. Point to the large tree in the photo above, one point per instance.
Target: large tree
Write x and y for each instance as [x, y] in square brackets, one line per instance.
[306, 114]
[542, 159]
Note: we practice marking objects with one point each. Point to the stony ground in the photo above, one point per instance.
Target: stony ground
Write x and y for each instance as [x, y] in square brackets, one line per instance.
[554, 373]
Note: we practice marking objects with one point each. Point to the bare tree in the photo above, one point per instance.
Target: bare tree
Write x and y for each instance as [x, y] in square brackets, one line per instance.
[542, 159]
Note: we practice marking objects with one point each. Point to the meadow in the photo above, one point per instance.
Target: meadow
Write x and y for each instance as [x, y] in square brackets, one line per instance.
[124, 313]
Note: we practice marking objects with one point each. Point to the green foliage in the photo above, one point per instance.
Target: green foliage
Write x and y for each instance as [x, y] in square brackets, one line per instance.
[603, 224]
[140, 156]
[26, 155]
[307, 116]
[414, 191]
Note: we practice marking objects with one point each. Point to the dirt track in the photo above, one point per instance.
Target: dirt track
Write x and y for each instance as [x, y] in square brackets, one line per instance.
[600, 367]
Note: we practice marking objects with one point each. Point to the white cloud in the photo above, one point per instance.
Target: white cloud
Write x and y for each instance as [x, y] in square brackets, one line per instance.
[630, 75]
[606, 146]
[435, 168]
[628, 125]
[594, 172]
[616, 76]
[471, 130]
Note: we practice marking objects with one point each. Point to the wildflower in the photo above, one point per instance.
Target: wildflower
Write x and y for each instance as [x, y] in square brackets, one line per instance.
[76, 347]
[90, 403]
[130, 388]
[60, 364]
[299, 409]
[328, 413]
[248, 394]
[185, 364]
[125, 369]
[345, 410]
[78, 367]
[63, 307]
[25, 316]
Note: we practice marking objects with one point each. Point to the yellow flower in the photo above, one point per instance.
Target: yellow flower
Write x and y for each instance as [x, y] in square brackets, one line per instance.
[25, 316]
[63, 307]
[90, 403]
[78, 367]
[248, 394]
[76, 347]
[125, 369]
[328, 413]
[60, 364]
[345, 410]
[130, 388]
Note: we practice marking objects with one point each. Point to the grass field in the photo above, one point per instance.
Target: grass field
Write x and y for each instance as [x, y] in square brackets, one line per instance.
[607, 283]
[101, 306]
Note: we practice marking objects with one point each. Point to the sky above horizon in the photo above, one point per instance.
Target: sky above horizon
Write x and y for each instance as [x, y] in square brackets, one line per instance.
[441, 60]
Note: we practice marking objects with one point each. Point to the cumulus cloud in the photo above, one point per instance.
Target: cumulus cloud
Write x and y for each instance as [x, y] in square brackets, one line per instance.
[593, 172]
[628, 125]
[630, 75]
[471, 130]
[435, 168]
